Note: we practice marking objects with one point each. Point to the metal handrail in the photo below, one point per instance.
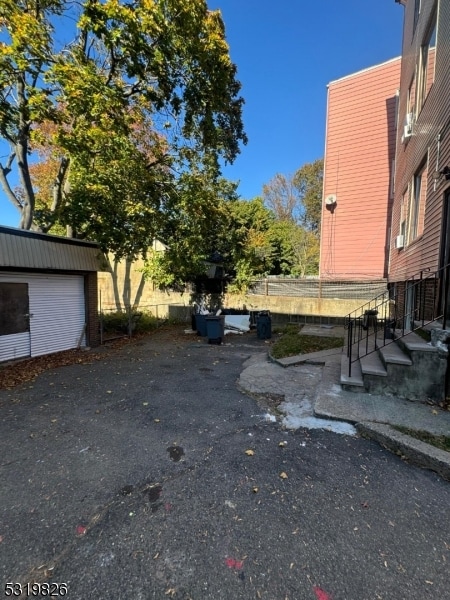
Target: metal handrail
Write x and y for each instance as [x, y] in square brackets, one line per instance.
[382, 315]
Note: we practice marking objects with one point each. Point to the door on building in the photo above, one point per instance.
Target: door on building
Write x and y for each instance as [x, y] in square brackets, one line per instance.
[14, 320]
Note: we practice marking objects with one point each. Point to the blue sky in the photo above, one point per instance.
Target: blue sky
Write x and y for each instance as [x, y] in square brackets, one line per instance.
[286, 53]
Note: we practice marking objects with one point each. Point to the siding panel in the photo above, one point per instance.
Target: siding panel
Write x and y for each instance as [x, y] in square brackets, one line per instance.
[57, 306]
[359, 153]
[14, 346]
[27, 250]
[431, 134]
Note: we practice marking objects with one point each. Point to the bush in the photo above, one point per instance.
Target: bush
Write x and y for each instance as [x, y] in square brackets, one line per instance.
[118, 322]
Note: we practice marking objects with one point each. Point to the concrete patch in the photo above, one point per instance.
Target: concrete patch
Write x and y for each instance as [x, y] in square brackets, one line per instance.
[297, 385]
[301, 414]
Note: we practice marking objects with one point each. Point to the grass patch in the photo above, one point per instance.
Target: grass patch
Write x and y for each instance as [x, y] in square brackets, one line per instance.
[440, 441]
[291, 343]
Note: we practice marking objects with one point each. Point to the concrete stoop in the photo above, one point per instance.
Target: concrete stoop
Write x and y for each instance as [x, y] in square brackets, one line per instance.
[407, 367]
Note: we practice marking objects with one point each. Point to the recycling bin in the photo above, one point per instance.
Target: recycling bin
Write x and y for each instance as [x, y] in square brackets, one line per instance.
[215, 328]
[264, 325]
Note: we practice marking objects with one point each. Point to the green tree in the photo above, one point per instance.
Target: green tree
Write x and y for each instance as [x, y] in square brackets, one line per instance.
[163, 63]
[308, 181]
[295, 250]
[281, 196]
[297, 197]
[197, 223]
[252, 254]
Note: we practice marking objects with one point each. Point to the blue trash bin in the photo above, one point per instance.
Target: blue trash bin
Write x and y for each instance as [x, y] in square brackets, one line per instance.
[200, 324]
[215, 328]
[264, 325]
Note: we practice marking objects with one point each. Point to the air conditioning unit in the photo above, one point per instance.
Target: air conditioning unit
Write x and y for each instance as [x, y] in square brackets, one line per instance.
[408, 127]
[407, 132]
[399, 242]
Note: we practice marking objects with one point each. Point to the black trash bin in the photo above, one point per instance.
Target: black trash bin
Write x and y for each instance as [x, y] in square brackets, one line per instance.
[370, 319]
[264, 325]
[215, 328]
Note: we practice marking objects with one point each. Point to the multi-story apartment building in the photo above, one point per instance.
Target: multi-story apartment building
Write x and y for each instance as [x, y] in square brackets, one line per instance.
[382, 346]
[420, 226]
[358, 173]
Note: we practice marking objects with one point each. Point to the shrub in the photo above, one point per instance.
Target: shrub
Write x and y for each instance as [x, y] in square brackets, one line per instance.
[118, 322]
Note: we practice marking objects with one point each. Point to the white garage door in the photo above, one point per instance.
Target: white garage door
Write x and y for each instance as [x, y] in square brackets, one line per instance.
[57, 311]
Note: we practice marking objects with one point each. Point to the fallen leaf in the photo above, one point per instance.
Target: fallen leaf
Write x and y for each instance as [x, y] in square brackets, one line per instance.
[283, 475]
[250, 452]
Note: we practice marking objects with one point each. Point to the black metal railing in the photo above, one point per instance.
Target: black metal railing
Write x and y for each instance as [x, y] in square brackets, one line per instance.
[404, 307]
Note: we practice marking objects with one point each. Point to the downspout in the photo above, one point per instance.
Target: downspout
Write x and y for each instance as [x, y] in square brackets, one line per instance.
[323, 185]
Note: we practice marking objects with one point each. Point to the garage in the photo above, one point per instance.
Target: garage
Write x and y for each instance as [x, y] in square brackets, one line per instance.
[48, 293]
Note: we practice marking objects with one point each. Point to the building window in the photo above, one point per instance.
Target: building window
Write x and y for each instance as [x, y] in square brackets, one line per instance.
[404, 215]
[417, 202]
[426, 64]
[411, 103]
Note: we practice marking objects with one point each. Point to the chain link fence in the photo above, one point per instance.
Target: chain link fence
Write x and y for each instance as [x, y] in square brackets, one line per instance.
[317, 288]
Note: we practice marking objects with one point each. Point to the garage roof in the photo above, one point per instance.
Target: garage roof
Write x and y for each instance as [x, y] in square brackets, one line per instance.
[22, 249]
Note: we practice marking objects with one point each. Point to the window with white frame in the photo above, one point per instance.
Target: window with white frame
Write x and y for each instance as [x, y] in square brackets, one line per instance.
[404, 215]
[417, 197]
[427, 55]
[411, 101]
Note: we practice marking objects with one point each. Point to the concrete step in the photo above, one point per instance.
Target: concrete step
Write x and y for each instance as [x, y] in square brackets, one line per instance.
[393, 354]
[356, 378]
[408, 367]
[413, 342]
[371, 365]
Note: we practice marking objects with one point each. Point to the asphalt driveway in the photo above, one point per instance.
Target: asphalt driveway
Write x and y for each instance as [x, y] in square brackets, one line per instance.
[147, 474]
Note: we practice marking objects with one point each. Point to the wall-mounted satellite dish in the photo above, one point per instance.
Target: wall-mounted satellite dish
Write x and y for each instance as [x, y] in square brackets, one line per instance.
[330, 202]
